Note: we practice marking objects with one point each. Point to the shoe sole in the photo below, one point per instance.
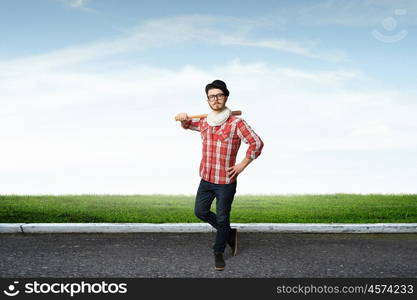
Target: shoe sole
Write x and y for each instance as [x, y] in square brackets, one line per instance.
[219, 269]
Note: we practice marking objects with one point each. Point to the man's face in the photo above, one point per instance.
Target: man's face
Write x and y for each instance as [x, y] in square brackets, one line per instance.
[216, 99]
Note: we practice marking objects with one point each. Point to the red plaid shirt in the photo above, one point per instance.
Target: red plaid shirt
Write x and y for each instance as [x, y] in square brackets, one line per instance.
[221, 144]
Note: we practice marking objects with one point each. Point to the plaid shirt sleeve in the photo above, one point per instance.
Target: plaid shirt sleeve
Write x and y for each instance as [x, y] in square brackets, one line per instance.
[193, 124]
[248, 136]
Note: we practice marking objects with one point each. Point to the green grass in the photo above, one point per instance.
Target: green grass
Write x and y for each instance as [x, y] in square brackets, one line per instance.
[334, 208]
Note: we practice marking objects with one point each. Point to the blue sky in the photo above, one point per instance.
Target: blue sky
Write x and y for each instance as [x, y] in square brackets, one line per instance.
[34, 27]
[89, 90]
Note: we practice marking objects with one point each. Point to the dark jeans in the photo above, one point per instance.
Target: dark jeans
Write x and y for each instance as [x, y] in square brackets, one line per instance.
[224, 194]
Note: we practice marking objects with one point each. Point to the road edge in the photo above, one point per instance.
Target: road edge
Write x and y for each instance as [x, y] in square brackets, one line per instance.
[204, 227]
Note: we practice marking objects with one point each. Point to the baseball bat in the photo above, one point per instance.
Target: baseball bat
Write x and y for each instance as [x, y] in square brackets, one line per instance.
[234, 113]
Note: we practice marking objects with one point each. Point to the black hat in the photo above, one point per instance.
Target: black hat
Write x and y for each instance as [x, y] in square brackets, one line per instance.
[218, 84]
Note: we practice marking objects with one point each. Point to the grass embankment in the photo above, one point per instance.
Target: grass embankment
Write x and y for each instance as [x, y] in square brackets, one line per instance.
[334, 208]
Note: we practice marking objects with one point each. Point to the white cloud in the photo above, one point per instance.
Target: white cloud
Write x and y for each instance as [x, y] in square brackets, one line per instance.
[75, 3]
[78, 4]
[81, 130]
[291, 47]
[87, 132]
[231, 31]
[165, 33]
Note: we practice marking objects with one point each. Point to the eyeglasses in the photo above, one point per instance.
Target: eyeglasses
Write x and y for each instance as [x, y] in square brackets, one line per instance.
[219, 96]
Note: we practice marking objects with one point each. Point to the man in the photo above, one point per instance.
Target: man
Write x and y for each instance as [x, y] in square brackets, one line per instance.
[222, 134]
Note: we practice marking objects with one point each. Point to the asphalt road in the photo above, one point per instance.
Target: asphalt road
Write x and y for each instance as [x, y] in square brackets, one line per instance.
[189, 255]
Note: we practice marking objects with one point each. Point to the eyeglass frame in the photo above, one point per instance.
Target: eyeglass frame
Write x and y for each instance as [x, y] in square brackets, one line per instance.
[219, 96]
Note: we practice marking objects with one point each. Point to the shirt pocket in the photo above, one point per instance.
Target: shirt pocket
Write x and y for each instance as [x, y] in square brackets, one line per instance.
[225, 134]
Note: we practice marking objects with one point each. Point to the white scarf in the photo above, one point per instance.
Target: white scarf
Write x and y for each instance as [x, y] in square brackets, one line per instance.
[217, 119]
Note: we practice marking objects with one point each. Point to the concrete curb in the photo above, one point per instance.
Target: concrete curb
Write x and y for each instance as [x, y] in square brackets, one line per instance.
[203, 227]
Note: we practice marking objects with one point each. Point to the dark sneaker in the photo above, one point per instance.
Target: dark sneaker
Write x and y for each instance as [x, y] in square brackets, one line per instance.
[219, 261]
[233, 240]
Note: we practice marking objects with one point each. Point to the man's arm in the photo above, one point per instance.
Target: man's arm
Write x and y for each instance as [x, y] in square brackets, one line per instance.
[188, 123]
[248, 136]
